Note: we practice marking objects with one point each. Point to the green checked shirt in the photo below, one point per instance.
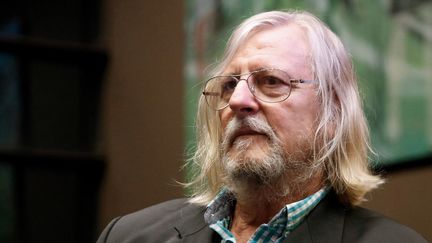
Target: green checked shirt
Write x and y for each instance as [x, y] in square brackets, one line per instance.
[219, 212]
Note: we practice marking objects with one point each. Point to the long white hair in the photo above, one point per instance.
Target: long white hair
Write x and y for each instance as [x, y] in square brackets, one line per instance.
[341, 142]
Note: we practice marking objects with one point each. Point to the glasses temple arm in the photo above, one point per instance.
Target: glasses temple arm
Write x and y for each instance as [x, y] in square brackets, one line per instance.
[210, 93]
[304, 81]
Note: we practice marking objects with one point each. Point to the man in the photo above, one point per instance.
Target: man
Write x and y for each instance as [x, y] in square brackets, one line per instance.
[282, 147]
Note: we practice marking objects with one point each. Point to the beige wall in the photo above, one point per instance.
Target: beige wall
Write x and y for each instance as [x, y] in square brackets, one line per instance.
[143, 100]
[407, 198]
[143, 119]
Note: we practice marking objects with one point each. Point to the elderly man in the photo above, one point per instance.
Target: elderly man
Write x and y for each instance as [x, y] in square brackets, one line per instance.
[282, 147]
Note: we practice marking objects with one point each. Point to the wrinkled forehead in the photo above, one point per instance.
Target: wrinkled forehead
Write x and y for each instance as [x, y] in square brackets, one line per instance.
[284, 47]
[240, 38]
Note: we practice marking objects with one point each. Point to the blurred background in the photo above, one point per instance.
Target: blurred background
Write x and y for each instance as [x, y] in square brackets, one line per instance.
[97, 102]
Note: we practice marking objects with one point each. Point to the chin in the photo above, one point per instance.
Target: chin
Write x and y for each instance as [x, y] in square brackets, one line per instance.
[249, 180]
[244, 157]
[258, 169]
[251, 148]
[254, 168]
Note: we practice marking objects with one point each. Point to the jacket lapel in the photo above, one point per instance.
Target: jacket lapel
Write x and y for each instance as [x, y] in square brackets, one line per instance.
[324, 223]
[300, 234]
[191, 226]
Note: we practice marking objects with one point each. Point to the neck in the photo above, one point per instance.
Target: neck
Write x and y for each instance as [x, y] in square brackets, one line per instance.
[251, 212]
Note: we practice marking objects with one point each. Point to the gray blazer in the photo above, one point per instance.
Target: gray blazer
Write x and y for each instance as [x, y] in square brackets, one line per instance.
[329, 221]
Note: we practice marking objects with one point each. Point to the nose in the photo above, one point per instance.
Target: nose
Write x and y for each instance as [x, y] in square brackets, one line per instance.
[242, 101]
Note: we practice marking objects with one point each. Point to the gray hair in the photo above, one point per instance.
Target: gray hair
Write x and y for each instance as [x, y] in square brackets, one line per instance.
[341, 141]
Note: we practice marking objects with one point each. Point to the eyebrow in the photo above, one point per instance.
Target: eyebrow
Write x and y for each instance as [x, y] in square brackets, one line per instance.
[252, 68]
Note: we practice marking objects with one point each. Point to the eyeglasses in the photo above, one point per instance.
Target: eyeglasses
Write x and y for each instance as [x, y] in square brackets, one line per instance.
[268, 85]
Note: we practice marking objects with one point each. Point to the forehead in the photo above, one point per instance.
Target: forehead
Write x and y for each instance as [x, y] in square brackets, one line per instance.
[285, 47]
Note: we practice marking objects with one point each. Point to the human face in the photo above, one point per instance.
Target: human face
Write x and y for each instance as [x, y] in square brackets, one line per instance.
[292, 120]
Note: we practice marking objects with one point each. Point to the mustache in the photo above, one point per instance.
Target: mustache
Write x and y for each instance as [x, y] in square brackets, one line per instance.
[248, 125]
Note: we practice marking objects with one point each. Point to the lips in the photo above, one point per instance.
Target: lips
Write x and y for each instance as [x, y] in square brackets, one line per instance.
[246, 131]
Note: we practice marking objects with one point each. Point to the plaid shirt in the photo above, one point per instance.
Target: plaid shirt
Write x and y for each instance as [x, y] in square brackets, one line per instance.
[219, 212]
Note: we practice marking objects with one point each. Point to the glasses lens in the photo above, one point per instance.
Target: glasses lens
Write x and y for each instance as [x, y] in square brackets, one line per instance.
[271, 85]
[218, 91]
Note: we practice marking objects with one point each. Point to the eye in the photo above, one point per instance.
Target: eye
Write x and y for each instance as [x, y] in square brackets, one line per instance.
[271, 85]
[228, 85]
[269, 81]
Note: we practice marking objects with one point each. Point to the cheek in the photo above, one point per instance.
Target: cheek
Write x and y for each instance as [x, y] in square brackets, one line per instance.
[306, 108]
[294, 121]
[224, 117]
[284, 126]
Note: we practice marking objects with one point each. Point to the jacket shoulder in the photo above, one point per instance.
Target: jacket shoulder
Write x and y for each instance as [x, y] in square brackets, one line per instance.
[153, 224]
[333, 221]
[364, 225]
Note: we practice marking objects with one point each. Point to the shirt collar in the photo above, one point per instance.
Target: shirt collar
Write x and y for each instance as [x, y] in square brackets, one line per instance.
[222, 207]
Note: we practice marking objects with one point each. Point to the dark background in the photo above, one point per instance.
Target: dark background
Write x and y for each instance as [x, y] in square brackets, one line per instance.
[91, 116]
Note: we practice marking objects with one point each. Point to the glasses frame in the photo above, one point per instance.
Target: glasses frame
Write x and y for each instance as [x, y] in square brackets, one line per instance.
[251, 89]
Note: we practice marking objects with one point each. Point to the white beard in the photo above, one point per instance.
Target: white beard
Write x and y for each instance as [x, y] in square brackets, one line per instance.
[272, 175]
